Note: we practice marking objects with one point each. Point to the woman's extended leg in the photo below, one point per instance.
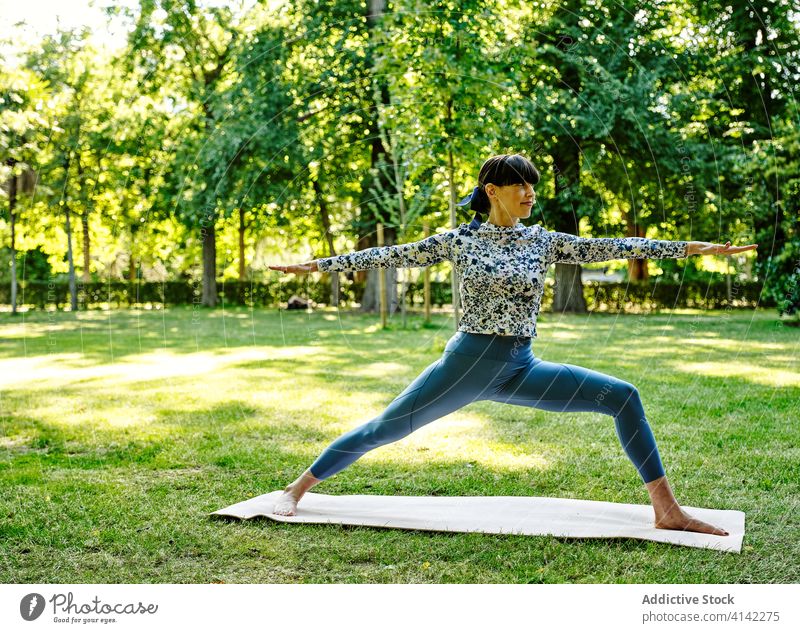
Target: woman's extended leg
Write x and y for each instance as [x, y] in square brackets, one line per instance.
[564, 387]
[444, 386]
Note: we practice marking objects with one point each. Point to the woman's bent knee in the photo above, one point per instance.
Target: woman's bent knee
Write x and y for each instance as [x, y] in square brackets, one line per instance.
[623, 395]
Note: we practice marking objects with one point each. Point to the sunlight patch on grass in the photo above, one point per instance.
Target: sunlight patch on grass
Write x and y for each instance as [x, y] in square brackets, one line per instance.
[783, 359]
[754, 373]
[351, 408]
[721, 344]
[701, 347]
[66, 411]
[16, 441]
[729, 344]
[563, 336]
[563, 322]
[145, 367]
[458, 437]
[123, 416]
[377, 369]
[22, 331]
[48, 372]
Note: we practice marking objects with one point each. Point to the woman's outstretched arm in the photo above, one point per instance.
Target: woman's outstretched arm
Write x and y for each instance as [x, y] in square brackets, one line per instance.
[427, 252]
[570, 249]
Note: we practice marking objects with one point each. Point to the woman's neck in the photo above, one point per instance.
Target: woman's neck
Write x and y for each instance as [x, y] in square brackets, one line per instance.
[502, 222]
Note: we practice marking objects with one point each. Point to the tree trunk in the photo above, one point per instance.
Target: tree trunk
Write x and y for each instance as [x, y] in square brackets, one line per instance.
[12, 203]
[242, 229]
[86, 246]
[84, 224]
[147, 192]
[454, 280]
[637, 268]
[568, 295]
[370, 301]
[210, 76]
[209, 265]
[132, 259]
[399, 184]
[392, 298]
[73, 292]
[326, 227]
[134, 228]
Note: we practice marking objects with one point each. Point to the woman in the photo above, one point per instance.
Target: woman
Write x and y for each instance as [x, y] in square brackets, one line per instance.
[502, 266]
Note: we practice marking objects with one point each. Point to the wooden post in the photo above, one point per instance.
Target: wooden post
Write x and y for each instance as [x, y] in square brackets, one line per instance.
[426, 231]
[382, 280]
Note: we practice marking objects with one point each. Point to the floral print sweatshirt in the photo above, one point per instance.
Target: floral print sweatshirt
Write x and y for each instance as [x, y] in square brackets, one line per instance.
[502, 268]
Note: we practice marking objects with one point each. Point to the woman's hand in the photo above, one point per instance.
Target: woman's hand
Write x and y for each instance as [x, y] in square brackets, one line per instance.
[305, 268]
[709, 248]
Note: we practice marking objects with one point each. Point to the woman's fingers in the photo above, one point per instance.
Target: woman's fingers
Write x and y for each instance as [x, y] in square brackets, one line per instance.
[286, 269]
[708, 248]
[739, 249]
[296, 268]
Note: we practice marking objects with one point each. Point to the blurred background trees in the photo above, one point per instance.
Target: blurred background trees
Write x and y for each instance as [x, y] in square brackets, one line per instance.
[220, 137]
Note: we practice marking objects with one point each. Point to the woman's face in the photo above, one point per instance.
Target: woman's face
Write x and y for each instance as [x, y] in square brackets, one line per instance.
[513, 201]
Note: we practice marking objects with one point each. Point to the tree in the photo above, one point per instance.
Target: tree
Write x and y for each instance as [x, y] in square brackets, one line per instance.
[22, 138]
[67, 63]
[594, 74]
[255, 155]
[438, 104]
[181, 44]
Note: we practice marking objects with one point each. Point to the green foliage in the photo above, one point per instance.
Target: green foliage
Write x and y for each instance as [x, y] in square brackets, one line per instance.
[600, 297]
[281, 122]
[31, 264]
[782, 273]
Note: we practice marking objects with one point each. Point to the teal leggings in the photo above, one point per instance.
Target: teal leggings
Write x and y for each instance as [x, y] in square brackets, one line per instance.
[500, 368]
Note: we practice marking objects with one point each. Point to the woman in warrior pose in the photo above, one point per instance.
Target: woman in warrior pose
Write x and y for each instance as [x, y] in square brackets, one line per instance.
[502, 265]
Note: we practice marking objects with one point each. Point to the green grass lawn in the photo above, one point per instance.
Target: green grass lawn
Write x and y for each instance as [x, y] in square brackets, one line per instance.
[121, 431]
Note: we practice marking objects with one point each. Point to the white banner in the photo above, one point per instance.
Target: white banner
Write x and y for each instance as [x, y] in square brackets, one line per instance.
[401, 608]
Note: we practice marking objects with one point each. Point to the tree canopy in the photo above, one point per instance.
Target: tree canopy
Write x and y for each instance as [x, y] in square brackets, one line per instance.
[223, 136]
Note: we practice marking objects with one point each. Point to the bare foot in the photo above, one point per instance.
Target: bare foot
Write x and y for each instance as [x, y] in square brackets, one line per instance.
[680, 520]
[286, 504]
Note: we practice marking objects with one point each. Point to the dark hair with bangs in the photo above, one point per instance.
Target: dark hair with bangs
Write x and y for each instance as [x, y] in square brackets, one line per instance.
[501, 170]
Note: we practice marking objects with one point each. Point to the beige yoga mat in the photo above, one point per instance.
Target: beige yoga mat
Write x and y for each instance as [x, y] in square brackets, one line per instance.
[534, 516]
